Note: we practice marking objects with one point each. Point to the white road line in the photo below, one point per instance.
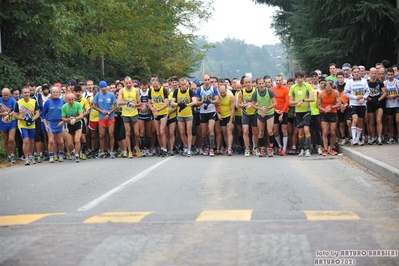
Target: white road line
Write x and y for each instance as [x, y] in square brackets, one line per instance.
[361, 180]
[136, 178]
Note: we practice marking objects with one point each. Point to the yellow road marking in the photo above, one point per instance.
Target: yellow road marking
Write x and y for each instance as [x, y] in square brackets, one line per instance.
[118, 217]
[21, 219]
[225, 215]
[331, 215]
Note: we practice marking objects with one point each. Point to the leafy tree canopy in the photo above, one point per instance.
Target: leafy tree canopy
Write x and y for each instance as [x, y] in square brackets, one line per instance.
[323, 31]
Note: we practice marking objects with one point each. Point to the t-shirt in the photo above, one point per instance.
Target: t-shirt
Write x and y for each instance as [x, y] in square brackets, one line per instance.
[93, 112]
[282, 98]
[392, 88]
[105, 102]
[7, 106]
[207, 94]
[299, 92]
[52, 110]
[355, 88]
[73, 110]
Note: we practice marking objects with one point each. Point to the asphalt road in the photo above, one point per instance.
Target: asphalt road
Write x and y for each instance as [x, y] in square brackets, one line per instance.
[197, 211]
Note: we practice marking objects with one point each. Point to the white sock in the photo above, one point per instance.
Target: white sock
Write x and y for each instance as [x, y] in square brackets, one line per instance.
[354, 131]
[285, 142]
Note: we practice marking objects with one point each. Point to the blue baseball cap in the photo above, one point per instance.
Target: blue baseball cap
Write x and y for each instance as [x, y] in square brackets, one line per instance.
[102, 84]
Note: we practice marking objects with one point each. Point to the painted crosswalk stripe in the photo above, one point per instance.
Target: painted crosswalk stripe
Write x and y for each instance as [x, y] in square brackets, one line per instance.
[331, 215]
[225, 215]
[22, 219]
[118, 217]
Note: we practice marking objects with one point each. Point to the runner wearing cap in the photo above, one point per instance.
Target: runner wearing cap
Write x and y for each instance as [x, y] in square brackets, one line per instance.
[105, 103]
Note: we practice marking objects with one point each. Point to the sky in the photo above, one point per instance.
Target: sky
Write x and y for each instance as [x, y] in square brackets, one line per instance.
[240, 19]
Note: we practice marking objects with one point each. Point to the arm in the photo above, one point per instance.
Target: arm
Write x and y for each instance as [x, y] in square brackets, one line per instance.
[319, 104]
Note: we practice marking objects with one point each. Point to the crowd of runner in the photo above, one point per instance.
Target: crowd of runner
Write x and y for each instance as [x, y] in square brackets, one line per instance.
[263, 117]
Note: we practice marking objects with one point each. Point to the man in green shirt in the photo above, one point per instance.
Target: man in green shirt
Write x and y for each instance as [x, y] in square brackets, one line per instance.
[301, 95]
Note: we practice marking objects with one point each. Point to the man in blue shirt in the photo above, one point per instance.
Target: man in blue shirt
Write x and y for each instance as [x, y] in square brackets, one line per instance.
[8, 124]
[105, 103]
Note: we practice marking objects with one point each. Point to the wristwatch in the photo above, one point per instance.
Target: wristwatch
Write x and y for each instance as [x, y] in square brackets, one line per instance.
[108, 113]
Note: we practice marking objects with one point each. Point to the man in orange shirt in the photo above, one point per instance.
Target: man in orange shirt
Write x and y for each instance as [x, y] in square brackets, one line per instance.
[281, 114]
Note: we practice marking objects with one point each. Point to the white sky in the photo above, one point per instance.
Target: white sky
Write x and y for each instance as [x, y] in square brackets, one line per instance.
[240, 19]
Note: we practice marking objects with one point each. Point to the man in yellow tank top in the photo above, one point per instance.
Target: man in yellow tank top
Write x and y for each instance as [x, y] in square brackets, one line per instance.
[248, 116]
[184, 98]
[159, 102]
[129, 99]
[226, 115]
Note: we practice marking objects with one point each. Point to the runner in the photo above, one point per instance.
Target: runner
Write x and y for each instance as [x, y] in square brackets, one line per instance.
[281, 114]
[264, 101]
[184, 98]
[328, 101]
[249, 117]
[27, 111]
[207, 97]
[302, 95]
[52, 120]
[72, 115]
[357, 91]
[105, 103]
[392, 104]
[8, 124]
[129, 99]
[226, 116]
[146, 120]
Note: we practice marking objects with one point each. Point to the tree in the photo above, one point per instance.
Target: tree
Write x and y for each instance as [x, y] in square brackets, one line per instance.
[324, 31]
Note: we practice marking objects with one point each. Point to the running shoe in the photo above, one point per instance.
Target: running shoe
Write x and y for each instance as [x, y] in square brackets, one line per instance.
[361, 142]
[77, 158]
[27, 162]
[247, 153]
[301, 153]
[279, 151]
[354, 142]
[51, 159]
[84, 156]
[283, 153]
[229, 152]
[206, 152]
[379, 141]
[130, 155]
[262, 153]
[307, 154]
[112, 155]
[270, 152]
[101, 155]
[319, 151]
[12, 158]
[188, 154]
[256, 152]
[211, 153]
[32, 160]
[343, 142]
[138, 152]
[333, 152]
[39, 159]
[60, 158]
[325, 153]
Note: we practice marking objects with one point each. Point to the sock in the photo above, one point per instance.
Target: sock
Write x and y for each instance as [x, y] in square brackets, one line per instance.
[261, 142]
[359, 133]
[61, 153]
[271, 140]
[51, 154]
[205, 142]
[211, 141]
[278, 140]
[141, 142]
[354, 131]
[241, 141]
[307, 143]
[285, 142]
[148, 142]
[302, 142]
